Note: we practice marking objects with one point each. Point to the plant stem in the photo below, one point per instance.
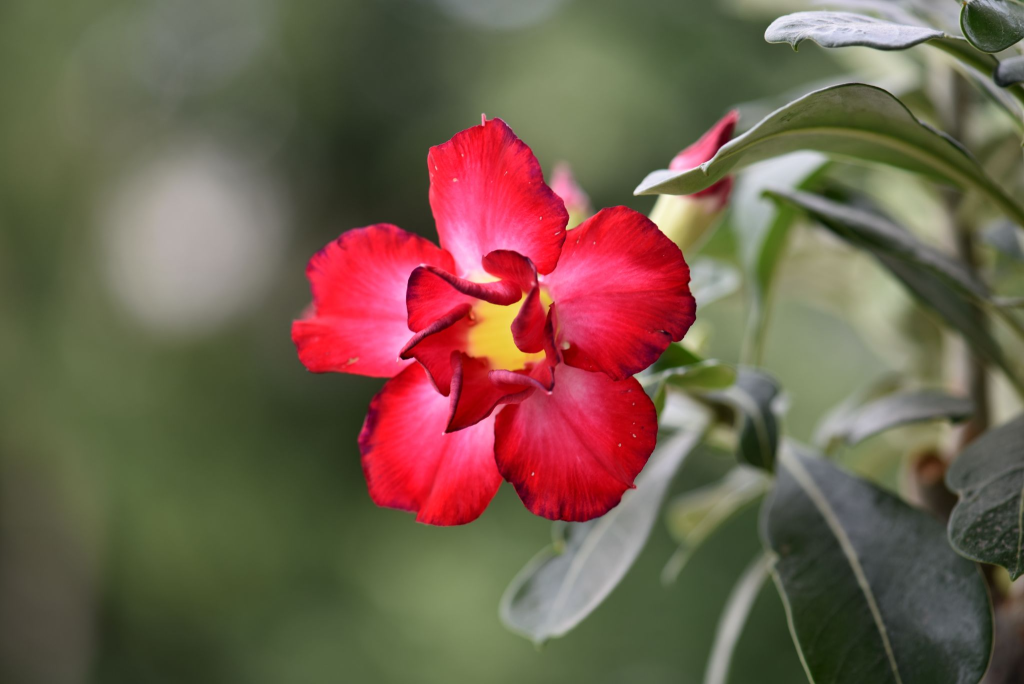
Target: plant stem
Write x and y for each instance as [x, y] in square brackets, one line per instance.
[963, 238]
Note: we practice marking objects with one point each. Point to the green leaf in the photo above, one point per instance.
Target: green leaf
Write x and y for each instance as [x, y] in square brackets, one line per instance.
[560, 587]
[755, 398]
[1010, 72]
[935, 280]
[845, 29]
[676, 355]
[986, 524]
[702, 375]
[872, 590]
[857, 424]
[711, 280]
[734, 617]
[853, 121]
[694, 516]
[761, 228]
[992, 25]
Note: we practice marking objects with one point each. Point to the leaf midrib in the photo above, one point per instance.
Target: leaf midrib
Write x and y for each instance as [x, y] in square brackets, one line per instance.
[807, 483]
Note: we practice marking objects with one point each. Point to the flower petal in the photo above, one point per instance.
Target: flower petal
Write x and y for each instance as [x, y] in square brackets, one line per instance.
[622, 292]
[572, 453]
[410, 464]
[358, 319]
[433, 346]
[475, 392]
[528, 325]
[487, 193]
[706, 148]
[433, 293]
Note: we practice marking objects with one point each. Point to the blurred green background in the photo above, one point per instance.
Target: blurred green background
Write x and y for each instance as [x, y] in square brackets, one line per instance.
[179, 500]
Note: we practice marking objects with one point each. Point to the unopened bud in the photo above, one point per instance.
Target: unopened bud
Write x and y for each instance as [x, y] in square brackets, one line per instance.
[577, 203]
[687, 219]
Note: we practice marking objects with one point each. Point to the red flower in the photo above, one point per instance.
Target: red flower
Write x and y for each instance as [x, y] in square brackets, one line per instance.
[502, 365]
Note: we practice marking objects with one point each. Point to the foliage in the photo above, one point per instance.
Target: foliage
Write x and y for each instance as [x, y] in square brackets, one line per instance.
[873, 588]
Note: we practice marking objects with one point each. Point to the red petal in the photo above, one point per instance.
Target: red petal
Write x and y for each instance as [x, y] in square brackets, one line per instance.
[475, 393]
[706, 148]
[410, 464]
[487, 193]
[528, 325]
[622, 292]
[572, 453]
[433, 346]
[708, 145]
[433, 293]
[358, 322]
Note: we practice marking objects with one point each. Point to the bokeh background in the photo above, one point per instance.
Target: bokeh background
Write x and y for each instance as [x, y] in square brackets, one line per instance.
[179, 500]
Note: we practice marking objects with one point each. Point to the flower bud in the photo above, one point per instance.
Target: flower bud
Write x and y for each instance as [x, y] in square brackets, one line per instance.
[686, 219]
[577, 203]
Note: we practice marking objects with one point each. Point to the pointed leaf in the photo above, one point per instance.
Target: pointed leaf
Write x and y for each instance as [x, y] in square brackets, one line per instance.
[989, 477]
[557, 590]
[844, 29]
[992, 25]
[872, 590]
[864, 421]
[755, 398]
[847, 29]
[676, 355]
[854, 121]
[703, 375]
[1010, 72]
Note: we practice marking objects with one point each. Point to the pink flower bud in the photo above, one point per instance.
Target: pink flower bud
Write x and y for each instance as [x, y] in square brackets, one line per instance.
[577, 203]
[686, 219]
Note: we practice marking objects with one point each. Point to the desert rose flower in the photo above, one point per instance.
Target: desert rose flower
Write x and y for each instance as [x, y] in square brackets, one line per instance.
[685, 219]
[511, 348]
[577, 203]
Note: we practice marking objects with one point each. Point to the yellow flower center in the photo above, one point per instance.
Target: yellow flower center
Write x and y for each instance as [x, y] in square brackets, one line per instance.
[490, 335]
